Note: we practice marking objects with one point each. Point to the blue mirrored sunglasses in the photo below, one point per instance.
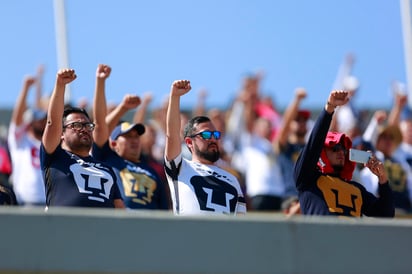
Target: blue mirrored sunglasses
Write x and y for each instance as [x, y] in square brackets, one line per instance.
[207, 135]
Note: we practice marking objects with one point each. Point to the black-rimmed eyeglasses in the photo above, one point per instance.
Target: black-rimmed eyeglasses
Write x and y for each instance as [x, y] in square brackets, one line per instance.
[79, 126]
[207, 135]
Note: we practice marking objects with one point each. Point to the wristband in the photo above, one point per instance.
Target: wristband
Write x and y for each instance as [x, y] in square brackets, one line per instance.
[329, 104]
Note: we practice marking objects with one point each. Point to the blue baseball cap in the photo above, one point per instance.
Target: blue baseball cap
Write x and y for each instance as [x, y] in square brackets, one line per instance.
[125, 127]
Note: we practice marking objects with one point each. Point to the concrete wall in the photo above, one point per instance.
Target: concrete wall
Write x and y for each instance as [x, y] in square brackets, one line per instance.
[110, 241]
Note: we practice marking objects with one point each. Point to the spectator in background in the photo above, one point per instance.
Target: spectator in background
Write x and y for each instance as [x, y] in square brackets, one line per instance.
[265, 187]
[251, 126]
[367, 142]
[73, 177]
[402, 115]
[7, 195]
[291, 138]
[148, 139]
[197, 186]
[256, 105]
[323, 173]
[404, 151]
[25, 132]
[386, 136]
[140, 186]
[5, 164]
[388, 140]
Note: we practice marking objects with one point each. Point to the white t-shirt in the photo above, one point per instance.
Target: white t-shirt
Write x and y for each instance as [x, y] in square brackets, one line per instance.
[260, 165]
[26, 174]
[198, 189]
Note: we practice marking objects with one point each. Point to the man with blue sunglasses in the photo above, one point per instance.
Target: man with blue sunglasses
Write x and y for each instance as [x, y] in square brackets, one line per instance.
[197, 186]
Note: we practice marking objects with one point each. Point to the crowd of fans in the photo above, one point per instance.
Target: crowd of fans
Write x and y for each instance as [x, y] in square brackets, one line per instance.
[259, 144]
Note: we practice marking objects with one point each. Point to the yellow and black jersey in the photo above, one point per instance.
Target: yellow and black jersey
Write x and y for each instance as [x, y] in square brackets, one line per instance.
[323, 193]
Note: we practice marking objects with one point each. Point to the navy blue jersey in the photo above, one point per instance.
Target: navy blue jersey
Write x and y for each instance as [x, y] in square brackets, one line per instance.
[326, 194]
[71, 180]
[139, 184]
[398, 181]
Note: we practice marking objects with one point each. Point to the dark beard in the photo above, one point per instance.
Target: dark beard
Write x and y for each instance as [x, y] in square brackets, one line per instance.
[80, 145]
[212, 156]
[337, 169]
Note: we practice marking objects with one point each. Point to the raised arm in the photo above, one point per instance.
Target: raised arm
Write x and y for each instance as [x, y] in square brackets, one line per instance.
[289, 115]
[101, 132]
[371, 132]
[399, 103]
[336, 98]
[140, 114]
[129, 102]
[250, 98]
[173, 141]
[54, 126]
[21, 103]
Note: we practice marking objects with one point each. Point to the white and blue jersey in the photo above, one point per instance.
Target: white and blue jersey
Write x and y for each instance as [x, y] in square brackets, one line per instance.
[196, 188]
[76, 181]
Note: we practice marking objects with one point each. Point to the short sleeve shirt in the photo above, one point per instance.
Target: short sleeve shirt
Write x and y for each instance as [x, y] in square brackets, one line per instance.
[77, 181]
[203, 189]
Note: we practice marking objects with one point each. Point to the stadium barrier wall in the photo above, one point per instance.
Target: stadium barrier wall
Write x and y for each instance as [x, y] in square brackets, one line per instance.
[113, 241]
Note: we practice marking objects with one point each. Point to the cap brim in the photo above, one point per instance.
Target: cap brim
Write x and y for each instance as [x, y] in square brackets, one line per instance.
[139, 128]
[125, 128]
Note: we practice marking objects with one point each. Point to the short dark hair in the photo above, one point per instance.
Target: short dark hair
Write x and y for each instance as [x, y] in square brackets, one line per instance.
[70, 109]
[190, 127]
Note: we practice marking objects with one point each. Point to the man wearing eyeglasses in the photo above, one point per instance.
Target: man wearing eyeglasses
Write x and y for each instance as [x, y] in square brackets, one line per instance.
[323, 173]
[73, 177]
[197, 186]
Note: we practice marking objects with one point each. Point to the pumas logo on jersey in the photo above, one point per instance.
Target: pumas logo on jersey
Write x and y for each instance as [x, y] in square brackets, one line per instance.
[93, 181]
[214, 194]
[397, 176]
[138, 187]
[341, 197]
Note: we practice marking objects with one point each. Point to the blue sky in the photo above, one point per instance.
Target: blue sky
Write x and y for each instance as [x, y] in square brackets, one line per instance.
[212, 43]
